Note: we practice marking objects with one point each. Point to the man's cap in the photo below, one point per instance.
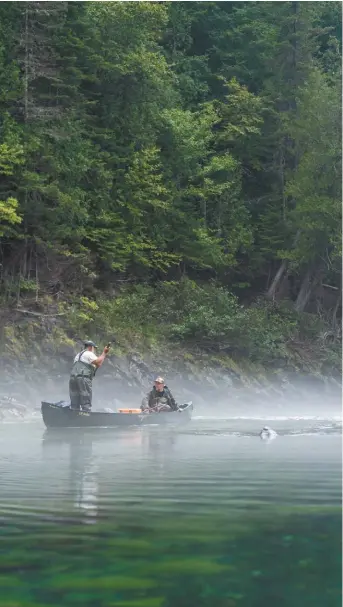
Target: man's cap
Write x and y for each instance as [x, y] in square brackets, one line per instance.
[90, 343]
[159, 380]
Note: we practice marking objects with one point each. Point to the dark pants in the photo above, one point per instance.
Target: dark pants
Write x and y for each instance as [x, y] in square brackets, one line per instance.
[80, 392]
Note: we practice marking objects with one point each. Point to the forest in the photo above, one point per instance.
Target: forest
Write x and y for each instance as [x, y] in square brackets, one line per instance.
[171, 173]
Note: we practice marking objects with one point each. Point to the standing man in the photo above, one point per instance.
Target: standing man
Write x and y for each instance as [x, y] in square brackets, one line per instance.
[84, 368]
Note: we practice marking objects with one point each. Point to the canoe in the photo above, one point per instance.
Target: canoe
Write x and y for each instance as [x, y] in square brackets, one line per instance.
[60, 415]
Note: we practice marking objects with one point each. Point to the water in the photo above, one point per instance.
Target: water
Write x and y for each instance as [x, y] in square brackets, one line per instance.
[205, 516]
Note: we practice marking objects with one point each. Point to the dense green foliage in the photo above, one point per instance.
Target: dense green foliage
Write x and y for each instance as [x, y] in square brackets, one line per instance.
[146, 142]
[211, 320]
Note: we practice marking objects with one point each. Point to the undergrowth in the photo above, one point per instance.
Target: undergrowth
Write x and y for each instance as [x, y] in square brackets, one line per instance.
[184, 318]
[206, 318]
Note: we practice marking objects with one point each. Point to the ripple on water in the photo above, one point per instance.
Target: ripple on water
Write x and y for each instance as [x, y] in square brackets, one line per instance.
[149, 518]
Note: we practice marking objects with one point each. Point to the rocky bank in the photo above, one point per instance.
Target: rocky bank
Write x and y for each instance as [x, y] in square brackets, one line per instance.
[216, 386]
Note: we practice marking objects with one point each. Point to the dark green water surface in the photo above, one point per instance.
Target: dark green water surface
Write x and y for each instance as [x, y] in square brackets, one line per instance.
[205, 516]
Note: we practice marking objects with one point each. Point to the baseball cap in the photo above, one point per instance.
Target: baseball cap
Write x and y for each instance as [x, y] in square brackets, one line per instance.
[90, 343]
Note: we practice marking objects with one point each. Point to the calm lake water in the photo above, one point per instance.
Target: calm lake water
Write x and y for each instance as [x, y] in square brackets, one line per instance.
[205, 516]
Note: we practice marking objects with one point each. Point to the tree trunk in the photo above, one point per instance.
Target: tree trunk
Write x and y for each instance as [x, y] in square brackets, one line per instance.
[271, 293]
[26, 64]
[304, 293]
[204, 212]
[42, 21]
[282, 181]
[335, 323]
[308, 284]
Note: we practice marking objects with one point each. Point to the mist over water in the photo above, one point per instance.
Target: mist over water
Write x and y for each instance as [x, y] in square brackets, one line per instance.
[213, 396]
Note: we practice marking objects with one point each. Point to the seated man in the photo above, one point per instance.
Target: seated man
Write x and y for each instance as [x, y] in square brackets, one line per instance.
[159, 398]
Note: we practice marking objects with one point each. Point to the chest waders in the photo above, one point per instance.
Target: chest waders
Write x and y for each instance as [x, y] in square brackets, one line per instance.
[158, 400]
[160, 403]
[80, 384]
[81, 369]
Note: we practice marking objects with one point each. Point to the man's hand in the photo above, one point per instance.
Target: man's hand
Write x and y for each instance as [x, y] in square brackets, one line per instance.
[107, 348]
[98, 362]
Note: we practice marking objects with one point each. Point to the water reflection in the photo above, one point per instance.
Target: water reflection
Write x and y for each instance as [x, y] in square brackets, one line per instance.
[144, 518]
[84, 478]
[83, 483]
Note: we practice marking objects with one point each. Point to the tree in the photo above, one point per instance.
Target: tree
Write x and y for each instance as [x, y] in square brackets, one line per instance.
[149, 140]
[316, 184]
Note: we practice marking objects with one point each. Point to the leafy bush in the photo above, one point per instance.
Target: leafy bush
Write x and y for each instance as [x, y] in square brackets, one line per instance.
[199, 316]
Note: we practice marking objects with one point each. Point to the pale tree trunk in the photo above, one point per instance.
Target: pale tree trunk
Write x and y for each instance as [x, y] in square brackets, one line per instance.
[309, 282]
[41, 21]
[335, 323]
[280, 274]
[26, 64]
[304, 292]
[37, 281]
[282, 183]
[272, 291]
[26, 111]
[291, 102]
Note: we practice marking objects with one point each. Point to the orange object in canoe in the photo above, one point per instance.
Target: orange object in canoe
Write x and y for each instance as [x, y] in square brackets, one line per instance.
[129, 411]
